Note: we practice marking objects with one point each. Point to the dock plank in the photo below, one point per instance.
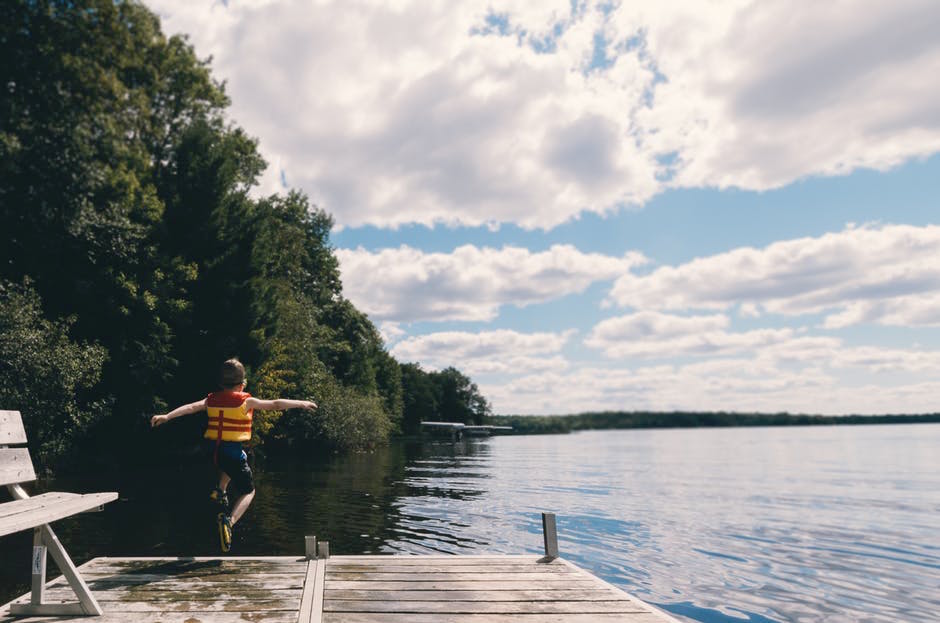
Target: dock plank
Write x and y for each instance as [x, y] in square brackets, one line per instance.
[482, 607]
[465, 585]
[195, 596]
[196, 616]
[419, 569]
[489, 596]
[470, 576]
[411, 617]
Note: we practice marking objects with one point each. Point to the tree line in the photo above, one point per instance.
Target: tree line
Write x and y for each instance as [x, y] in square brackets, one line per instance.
[134, 258]
[555, 424]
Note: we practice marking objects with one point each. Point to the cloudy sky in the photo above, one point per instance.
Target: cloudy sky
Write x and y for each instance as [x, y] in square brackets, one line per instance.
[616, 205]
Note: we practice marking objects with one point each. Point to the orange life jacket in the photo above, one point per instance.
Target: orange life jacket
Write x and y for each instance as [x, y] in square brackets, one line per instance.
[229, 419]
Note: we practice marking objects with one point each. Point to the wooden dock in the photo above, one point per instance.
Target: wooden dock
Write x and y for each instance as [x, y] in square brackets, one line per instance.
[348, 589]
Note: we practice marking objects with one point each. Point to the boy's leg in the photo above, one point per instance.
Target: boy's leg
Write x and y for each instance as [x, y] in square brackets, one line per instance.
[243, 481]
[241, 505]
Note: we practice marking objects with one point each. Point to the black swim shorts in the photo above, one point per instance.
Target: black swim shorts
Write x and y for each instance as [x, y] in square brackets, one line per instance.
[232, 460]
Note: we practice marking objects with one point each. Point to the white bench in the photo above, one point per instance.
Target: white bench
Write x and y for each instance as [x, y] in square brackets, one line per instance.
[36, 513]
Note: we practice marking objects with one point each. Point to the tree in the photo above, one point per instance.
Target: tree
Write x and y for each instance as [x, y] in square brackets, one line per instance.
[419, 397]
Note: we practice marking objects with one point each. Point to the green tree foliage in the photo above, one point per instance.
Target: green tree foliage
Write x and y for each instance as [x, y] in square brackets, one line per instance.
[444, 396]
[419, 396]
[124, 198]
[45, 375]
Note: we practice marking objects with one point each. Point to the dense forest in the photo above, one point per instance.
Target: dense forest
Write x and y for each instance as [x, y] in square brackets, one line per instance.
[134, 258]
[553, 424]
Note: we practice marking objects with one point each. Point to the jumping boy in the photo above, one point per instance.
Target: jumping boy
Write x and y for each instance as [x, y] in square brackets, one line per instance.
[230, 415]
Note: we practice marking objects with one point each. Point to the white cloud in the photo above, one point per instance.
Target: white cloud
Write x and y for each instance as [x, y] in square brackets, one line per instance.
[391, 332]
[389, 113]
[761, 94]
[471, 283]
[917, 310]
[501, 352]
[888, 274]
[654, 334]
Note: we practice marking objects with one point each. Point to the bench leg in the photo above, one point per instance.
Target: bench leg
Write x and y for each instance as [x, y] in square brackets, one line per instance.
[44, 540]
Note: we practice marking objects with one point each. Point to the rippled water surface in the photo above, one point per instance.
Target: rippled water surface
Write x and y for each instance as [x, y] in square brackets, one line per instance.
[713, 525]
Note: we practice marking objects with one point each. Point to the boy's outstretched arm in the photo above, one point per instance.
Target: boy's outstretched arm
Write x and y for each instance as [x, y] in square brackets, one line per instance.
[280, 404]
[192, 407]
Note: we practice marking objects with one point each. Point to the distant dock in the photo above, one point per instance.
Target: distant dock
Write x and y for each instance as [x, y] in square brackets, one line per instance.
[458, 431]
[317, 588]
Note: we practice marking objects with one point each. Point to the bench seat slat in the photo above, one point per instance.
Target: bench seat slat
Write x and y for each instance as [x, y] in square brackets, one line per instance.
[8, 509]
[48, 507]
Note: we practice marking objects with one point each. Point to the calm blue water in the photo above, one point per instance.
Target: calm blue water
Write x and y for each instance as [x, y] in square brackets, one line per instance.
[713, 525]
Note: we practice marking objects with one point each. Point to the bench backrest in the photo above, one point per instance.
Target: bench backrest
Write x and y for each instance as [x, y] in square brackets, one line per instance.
[15, 464]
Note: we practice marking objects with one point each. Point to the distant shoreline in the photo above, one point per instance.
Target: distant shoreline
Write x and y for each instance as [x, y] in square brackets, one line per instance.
[554, 424]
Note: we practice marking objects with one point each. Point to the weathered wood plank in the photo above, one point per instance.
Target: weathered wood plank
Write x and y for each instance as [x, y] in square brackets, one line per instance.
[209, 575]
[306, 601]
[416, 569]
[443, 586]
[482, 607]
[316, 613]
[11, 428]
[196, 616]
[488, 596]
[60, 593]
[298, 559]
[165, 583]
[474, 576]
[217, 579]
[207, 572]
[236, 603]
[375, 617]
[50, 511]
[252, 564]
[9, 509]
[407, 559]
[15, 466]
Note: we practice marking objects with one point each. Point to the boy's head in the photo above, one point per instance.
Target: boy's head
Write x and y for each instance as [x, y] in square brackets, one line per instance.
[232, 374]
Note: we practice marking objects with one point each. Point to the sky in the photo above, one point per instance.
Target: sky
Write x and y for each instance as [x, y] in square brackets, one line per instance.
[618, 205]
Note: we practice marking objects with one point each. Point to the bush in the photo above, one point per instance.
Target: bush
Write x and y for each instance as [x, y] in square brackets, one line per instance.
[346, 419]
[44, 375]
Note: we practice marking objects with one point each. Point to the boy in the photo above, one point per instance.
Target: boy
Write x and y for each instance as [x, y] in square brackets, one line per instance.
[230, 414]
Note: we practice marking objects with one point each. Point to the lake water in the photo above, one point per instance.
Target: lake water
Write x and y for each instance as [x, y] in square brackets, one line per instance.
[713, 525]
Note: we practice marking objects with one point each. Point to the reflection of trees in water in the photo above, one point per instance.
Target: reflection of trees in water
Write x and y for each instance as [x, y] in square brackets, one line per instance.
[356, 500]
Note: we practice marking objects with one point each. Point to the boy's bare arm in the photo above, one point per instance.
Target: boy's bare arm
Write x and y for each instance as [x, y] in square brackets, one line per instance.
[192, 407]
[280, 404]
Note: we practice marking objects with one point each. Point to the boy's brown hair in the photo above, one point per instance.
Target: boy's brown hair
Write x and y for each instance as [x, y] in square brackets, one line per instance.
[232, 373]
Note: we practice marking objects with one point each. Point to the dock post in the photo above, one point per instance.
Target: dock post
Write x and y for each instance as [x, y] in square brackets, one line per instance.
[310, 547]
[323, 549]
[550, 534]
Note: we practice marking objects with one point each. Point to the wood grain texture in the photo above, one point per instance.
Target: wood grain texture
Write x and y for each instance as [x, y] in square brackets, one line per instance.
[11, 428]
[371, 589]
[16, 466]
[43, 509]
